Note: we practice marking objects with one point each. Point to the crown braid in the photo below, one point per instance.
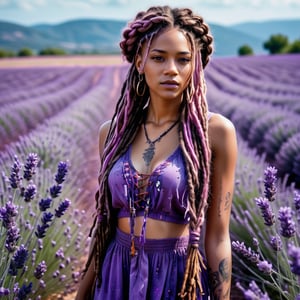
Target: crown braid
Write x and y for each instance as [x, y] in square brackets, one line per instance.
[129, 115]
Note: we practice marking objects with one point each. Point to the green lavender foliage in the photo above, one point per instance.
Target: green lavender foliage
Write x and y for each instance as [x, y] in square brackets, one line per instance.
[248, 229]
[52, 263]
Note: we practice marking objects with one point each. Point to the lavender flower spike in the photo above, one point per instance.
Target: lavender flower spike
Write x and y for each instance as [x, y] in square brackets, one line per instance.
[44, 204]
[266, 210]
[63, 206]
[55, 190]
[270, 183]
[247, 253]
[62, 171]
[29, 193]
[276, 243]
[18, 261]
[14, 177]
[294, 253]
[24, 291]
[30, 165]
[41, 229]
[265, 267]
[4, 291]
[8, 213]
[288, 227]
[40, 270]
[12, 236]
[297, 201]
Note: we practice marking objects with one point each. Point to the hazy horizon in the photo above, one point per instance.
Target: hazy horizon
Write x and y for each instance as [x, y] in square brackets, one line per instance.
[223, 12]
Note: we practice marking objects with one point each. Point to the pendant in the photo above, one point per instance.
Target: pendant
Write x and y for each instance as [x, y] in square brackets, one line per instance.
[148, 154]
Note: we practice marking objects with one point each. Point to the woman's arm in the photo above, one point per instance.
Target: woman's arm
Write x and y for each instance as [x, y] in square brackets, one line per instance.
[87, 281]
[217, 239]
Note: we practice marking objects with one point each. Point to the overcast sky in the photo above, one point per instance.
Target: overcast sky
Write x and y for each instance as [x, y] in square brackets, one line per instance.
[223, 12]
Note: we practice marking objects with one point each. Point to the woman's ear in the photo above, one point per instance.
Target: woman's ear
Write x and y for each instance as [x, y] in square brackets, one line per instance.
[138, 63]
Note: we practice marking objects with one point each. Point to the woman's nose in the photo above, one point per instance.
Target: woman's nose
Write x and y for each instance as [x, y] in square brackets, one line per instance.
[171, 67]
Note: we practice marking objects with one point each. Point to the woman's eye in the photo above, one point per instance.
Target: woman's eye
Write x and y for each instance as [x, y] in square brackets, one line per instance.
[184, 60]
[157, 58]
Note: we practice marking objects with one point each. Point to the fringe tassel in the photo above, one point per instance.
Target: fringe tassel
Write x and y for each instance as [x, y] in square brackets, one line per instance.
[192, 274]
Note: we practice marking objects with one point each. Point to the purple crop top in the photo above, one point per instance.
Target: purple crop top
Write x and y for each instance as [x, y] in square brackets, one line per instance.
[163, 193]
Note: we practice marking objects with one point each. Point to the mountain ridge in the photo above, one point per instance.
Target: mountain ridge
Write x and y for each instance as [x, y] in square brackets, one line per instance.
[103, 35]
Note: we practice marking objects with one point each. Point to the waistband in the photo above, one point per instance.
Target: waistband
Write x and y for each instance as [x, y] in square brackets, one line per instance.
[152, 245]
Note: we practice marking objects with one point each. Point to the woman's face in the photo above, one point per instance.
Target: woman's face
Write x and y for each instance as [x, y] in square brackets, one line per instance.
[168, 65]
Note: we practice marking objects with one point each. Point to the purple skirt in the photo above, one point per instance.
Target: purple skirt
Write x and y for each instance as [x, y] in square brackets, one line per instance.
[156, 272]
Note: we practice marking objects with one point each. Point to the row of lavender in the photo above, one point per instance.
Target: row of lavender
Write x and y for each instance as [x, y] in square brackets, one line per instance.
[261, 96]
[43, 195]
[68, 136]
[26, 103]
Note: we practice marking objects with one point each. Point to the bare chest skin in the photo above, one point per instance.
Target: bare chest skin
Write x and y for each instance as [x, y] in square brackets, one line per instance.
[163, 148]
[155, 229]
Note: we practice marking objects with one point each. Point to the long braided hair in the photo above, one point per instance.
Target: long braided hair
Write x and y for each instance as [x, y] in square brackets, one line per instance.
[193, 127]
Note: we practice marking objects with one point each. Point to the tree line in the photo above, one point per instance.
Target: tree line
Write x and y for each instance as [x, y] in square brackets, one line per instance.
[276, 44]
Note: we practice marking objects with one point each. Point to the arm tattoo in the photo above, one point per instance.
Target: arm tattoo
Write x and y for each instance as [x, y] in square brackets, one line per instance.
[227, 203]
[218, 277]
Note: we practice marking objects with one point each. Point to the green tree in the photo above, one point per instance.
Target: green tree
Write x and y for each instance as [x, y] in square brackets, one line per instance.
[25, 52]
[6, 53]
[52, 51]
[245, 50]
[294, 47]
[276, 44]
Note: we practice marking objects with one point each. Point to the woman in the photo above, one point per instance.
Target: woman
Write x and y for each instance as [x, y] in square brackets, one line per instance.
[167, 169]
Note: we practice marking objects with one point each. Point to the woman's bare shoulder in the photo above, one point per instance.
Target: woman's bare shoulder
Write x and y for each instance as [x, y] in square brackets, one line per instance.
[103, 132]
[221, 131]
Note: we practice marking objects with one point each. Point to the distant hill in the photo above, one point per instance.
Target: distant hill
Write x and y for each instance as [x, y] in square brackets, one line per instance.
[85, 34]
[104, 36]
[263, 30]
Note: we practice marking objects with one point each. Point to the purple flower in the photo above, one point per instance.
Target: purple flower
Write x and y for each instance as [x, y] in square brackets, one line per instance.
[41, 229]
[42, 284]
[247, 253]
[55, 190]
[294, 253]
[30, 165]
[24, 291]
[266, 210]
[29, 192]
[270, 183]
[4, 291]
[265, 267]
[55, 274]
[297, 201]
[63, 206]
[8, 213]
[40, 270]
[276, 243]
[44, 204]
[254, 292]
[14, 177]
[287, 225]
[18, 260]
[60, 253]
[62, 170]
[12, 236]
[46, 217]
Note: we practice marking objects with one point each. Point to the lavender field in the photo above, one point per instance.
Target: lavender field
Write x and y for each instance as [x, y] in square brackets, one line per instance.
[55, 113]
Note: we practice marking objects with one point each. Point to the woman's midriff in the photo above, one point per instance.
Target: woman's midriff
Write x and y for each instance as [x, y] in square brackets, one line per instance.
[155, 229]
